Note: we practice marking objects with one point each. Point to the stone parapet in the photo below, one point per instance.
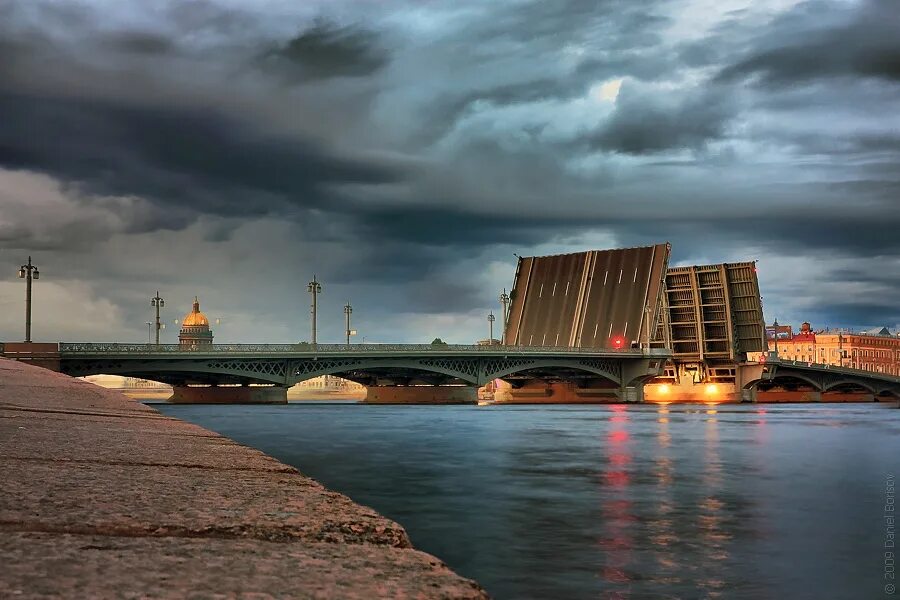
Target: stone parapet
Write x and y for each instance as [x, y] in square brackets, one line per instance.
[105, 497]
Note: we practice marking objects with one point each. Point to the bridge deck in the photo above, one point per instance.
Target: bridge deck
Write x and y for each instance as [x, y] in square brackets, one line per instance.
[67, 349]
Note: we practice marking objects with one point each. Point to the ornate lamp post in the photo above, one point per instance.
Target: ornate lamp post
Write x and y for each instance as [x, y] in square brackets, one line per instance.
[841, 347]
[491, 319]
[647, 313]
[314, 289]
[157, 302]
[775, 324]
[348, 310]
[28, 272]
[504, 300]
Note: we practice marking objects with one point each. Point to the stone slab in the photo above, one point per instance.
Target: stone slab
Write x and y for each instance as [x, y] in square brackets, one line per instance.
[71, 438]
[40, 565]
[124, 499]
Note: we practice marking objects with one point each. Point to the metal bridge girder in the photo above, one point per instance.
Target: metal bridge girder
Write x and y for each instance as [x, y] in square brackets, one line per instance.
[464, 369]
[288, 365]
[258, 370]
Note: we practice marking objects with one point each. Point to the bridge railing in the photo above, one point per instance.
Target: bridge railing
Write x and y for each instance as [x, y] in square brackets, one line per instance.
[117, 348]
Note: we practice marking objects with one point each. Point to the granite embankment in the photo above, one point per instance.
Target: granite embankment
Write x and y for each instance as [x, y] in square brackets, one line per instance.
[104, 497]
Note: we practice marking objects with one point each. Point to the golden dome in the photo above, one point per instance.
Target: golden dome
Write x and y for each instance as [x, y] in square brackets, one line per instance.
[195, 318]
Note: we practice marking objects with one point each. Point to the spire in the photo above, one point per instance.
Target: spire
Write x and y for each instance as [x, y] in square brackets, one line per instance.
[196, 304]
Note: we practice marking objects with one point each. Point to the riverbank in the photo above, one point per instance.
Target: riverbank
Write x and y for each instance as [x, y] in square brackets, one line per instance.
[105, 497]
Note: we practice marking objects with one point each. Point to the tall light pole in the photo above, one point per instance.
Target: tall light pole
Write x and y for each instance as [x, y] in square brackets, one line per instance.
[150, 332]
[28, 272]
[491, 318]
[504, 300]
[841, 347]
[348, 310]
[647, 324]
[158, 303]
[314, 289]
[775, 324]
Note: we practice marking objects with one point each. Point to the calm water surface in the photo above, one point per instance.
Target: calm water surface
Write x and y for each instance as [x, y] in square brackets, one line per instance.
[629, 502]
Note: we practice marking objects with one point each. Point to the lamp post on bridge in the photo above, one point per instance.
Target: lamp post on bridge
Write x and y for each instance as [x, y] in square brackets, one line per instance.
[504, 301]
[348, 310]
[841, 347]
[158, 303]
[647, 313]
[314, 289]
[28, 272]
[150, 333]
[775, 324]
[491, 328]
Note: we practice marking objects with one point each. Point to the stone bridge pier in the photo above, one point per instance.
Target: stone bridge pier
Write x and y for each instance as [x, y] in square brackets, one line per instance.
[229, 394]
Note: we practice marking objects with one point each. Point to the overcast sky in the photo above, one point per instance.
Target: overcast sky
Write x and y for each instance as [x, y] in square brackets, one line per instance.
[403, 151]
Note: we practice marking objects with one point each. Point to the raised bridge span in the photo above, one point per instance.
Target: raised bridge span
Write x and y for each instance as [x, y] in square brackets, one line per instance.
[265, 371]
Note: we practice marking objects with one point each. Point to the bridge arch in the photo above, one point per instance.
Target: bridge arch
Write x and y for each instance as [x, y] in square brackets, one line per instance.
[857, 382]
[890, 391]
[513, 366]
[817, 385]
[463, 370]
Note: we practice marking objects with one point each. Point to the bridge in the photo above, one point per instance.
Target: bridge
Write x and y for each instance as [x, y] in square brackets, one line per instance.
[392, 372]
[817, 379]
[430, 373]
[595, 326]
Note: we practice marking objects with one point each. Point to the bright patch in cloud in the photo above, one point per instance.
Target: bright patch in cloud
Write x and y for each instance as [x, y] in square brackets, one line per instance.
[608, 90]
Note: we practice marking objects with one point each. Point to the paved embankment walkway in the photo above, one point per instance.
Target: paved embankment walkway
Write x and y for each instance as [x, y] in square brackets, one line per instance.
[103, 497]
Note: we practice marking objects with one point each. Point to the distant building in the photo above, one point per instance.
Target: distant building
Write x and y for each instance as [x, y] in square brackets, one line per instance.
[784, 332]
[195, 329]
[330, 384]
[875, 350]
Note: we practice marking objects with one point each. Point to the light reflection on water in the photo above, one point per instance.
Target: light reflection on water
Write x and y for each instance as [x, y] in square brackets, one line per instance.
[616, 502]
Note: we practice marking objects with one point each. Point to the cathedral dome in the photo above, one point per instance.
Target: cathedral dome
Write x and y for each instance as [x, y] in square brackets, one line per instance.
[195, 318]
[195, 329]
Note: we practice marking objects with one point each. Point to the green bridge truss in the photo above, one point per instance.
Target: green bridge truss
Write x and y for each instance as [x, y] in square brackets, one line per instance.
[399, 364]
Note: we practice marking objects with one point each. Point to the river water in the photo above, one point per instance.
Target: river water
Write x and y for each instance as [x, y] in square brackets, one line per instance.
[736, 501]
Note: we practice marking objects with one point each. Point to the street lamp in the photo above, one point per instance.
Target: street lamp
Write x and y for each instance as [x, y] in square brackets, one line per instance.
[647, 313]
[157, 302]
[504, 300]
[150, 333]
[841, 347]
[314, 289]
[28, 272]
[491, 319]
[775, 324]
[348, 310]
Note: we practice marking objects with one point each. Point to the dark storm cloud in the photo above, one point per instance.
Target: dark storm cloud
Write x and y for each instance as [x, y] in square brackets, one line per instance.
[649, 122]
[138, 42]
[327, 50]
[866, 45]
[414, 148]
[444, 296]
[836, 312]
[197, 158]
[445, 226]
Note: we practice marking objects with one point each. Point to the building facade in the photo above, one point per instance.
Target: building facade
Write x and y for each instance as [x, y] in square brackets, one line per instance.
[876, 351]
[195, 329]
